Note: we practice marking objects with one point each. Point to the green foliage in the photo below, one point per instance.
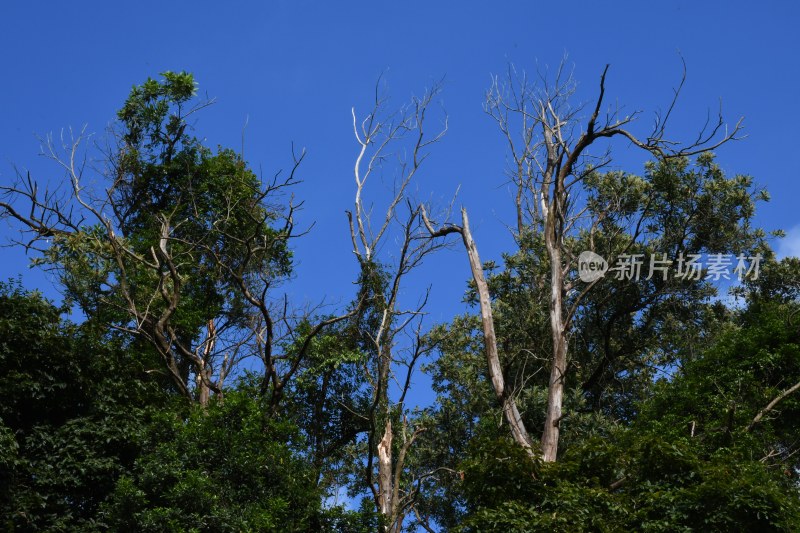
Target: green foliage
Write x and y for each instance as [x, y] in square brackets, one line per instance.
[496, 467]
[89, 441]
[219, 222]
[721, 393]
[180, 234]
[635, 482]
[327, 399]
[626, 330]
[153, 109]
[225, 469]
[72, 411]
[690, 460]
[678, 410]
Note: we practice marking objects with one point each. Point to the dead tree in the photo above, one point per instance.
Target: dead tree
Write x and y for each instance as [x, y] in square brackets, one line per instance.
[503, 394]
[383, 270]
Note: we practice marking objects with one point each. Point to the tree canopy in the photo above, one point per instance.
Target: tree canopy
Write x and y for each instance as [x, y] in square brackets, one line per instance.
[598, 381]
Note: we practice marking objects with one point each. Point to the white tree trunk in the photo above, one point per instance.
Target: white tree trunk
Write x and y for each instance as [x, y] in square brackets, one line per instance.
[558, 368]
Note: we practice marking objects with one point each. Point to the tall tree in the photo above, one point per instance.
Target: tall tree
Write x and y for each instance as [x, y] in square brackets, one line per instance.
[383, 318]
[180, 247]
[564, 205]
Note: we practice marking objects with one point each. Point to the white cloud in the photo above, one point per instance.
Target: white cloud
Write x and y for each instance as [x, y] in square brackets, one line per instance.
[789, 246]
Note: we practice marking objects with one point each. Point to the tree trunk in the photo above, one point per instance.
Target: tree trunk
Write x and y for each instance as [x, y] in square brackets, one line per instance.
[385, 476]
[510, 411]
[203, 390]
[203, 369]
[555, 394]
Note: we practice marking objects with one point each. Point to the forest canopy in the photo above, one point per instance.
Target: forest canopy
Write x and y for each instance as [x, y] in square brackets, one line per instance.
[601, 379]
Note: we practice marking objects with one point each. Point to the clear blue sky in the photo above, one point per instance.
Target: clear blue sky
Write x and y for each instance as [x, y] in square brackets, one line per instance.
[295, 68]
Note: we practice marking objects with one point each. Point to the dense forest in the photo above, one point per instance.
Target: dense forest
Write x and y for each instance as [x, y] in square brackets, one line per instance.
[632, 364]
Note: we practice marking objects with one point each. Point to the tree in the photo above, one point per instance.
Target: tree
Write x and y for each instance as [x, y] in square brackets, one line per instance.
[90, 440]
[666, 407]
[380, 319]
[691, 456]
[181, 248]
[565, 204]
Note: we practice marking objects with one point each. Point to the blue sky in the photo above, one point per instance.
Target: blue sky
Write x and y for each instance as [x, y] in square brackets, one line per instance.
[293, 70]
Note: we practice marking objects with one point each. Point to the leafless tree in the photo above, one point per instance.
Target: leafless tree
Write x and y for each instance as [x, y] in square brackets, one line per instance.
[395, 145]
[502, 392]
